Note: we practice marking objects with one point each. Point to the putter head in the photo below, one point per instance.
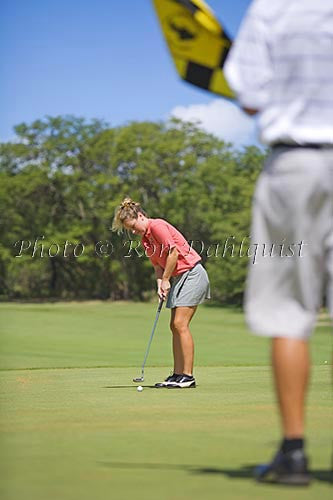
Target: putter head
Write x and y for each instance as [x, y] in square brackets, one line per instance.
[138, 379]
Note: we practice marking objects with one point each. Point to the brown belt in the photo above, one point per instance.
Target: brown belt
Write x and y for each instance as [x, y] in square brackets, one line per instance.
[308, 145]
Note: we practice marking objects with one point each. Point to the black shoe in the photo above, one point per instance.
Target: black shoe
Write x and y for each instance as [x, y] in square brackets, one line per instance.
[170, 378]
[286, 468]
[182, 382]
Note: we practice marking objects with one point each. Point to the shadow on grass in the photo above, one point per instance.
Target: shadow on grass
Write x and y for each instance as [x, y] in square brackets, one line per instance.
[128, 386]
[244, 472]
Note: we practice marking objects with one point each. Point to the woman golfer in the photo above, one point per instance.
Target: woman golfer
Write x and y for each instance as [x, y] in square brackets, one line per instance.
[181, 280]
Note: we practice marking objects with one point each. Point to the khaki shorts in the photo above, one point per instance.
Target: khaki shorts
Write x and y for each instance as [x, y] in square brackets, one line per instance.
[292, 224]
[190, 288]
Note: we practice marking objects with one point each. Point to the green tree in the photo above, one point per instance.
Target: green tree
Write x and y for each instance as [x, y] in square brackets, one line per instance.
[62, 178]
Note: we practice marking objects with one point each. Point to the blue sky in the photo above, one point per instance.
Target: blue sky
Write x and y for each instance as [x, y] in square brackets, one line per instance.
[103, 59]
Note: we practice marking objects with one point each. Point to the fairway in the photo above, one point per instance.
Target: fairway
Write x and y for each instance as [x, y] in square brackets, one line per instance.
[74, 427]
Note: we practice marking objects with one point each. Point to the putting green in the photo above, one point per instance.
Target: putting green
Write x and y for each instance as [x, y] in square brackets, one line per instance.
[71, 430]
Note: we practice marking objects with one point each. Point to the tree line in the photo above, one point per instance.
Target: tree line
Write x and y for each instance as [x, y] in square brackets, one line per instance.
[61, 179]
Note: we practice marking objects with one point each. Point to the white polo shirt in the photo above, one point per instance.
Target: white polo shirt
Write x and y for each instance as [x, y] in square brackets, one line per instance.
[282, 65]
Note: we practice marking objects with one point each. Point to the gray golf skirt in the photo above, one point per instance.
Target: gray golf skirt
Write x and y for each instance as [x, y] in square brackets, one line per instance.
[190, 288]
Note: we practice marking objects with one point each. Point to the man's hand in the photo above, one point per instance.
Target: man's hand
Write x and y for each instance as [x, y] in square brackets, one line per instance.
[250, 111]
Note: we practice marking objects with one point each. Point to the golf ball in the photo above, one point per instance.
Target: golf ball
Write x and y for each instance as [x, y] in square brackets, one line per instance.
[139, 388]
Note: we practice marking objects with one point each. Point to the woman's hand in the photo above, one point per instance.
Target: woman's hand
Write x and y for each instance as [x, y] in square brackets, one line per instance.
[164, 288]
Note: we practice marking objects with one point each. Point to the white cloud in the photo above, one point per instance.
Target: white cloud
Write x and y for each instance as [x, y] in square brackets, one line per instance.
[221, 118]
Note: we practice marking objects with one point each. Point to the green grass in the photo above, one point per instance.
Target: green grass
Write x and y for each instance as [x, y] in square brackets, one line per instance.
[85, 433]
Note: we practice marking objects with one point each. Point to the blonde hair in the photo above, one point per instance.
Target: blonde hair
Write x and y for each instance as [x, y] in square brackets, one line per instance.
[128, 209]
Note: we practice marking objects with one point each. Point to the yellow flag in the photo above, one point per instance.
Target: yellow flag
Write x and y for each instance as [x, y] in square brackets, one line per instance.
[197, 42]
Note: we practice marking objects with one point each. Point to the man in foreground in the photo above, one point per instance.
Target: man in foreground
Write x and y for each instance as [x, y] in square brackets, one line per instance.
[281, 67]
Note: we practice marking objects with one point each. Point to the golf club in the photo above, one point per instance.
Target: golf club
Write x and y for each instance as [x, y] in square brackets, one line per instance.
[141, 379]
